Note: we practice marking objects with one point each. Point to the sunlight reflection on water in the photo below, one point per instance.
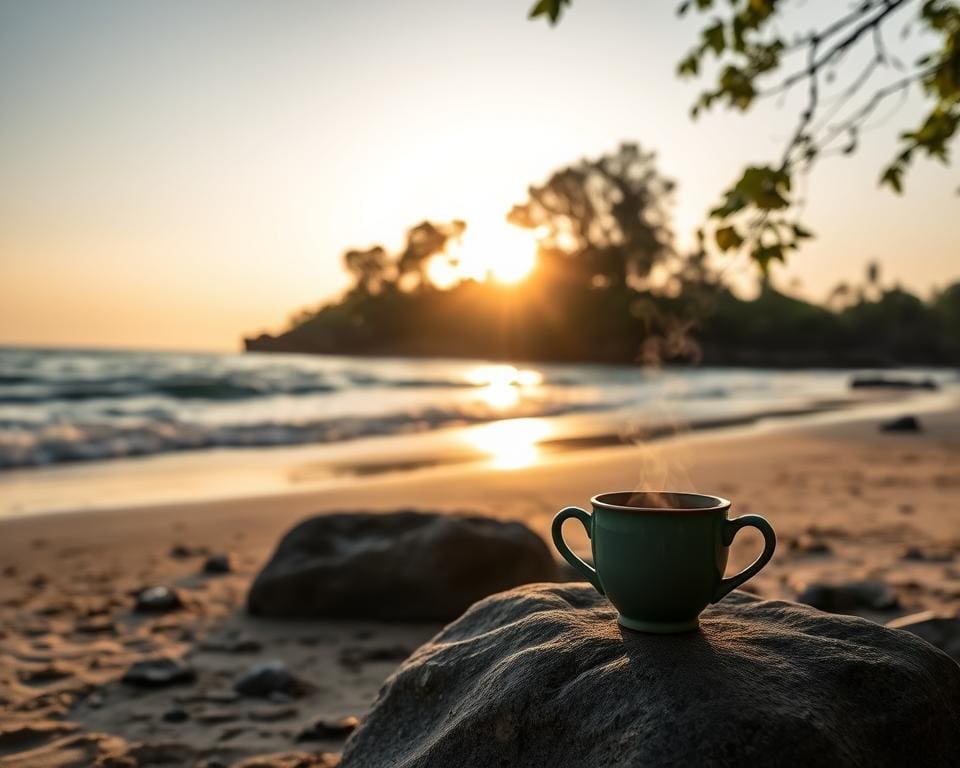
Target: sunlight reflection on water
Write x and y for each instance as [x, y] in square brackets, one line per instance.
[511, 444]
[502, 385]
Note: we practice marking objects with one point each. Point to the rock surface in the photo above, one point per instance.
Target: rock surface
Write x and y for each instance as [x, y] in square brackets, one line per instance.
[269, 678]
[902, 424]
[885, 382]
[156, 673]
[940, 631]
[921, 555]
[401, 566]
[159, 599]
[218, 564]
[543, 676]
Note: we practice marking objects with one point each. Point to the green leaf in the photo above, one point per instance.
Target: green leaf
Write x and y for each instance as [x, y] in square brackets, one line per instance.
[727, 238]
[714, 38]
[550, 8]
[764, 187]
[689, 66]
[738, 87]
[800, 233]
[734, 202]
[893, 178]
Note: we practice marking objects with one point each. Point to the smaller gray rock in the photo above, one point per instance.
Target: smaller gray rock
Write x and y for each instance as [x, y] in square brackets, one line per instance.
[808, 545]
[159, 672]
[268, 679]
[183, 552]
[894, 382]
[327, 730]
[216, 565]
[177, 715]
[942, 632]
[850, 597]
[159, 599]
[920, 555]
[902, 424]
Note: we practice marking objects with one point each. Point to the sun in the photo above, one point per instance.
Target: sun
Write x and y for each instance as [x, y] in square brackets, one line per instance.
[488, 251]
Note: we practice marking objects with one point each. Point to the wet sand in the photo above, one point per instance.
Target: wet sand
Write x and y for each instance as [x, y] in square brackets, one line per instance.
[848, 502]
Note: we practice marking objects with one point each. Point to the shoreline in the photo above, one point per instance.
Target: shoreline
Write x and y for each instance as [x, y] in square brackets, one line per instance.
[808, 359]
[221, 474]
[734, 363]
[667, 459]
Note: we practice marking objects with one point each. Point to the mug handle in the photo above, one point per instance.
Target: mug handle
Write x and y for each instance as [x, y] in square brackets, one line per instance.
[579, 564]
[730, 528]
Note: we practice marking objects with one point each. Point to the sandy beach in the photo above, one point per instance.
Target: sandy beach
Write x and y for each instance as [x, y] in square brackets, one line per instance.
[848, 502]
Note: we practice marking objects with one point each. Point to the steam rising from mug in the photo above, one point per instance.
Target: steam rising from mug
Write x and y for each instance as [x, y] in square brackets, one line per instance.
[661, 466]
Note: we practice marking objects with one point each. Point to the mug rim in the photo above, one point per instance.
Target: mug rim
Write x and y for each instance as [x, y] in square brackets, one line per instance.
[719, 503]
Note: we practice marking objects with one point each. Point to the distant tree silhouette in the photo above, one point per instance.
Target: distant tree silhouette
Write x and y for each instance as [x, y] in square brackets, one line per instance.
[374, 270]
[369, 268]
[425, 241]
[607, 218]
[840, 296]
[610, 287]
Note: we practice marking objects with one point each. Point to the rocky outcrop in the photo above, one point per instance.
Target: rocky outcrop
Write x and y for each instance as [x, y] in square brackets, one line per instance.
[543, 676]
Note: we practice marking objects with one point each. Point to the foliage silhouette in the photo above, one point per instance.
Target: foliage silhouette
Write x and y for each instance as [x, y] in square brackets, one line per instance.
[610, 286]
[755, 60]
[606, 218]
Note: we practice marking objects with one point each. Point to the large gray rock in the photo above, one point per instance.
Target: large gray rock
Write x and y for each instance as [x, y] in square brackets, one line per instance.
[543, 676]
[403, 566]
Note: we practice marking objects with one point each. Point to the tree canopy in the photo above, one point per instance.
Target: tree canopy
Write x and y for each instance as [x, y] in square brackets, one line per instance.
[754, 60]
[608, 217]
[374, 270]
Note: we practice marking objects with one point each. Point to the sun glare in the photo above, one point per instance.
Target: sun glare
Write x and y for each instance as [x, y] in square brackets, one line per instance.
[442, 273]
[501, 386]
[510, 444]
[496, 251]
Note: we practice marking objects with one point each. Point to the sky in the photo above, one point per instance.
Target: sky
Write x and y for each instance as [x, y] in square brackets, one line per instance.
[180, 174]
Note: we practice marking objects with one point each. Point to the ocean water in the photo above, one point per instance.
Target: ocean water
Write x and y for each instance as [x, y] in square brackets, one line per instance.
[60, 406]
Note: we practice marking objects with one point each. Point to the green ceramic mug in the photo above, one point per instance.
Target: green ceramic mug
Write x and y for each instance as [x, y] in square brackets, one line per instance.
[660, 557]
